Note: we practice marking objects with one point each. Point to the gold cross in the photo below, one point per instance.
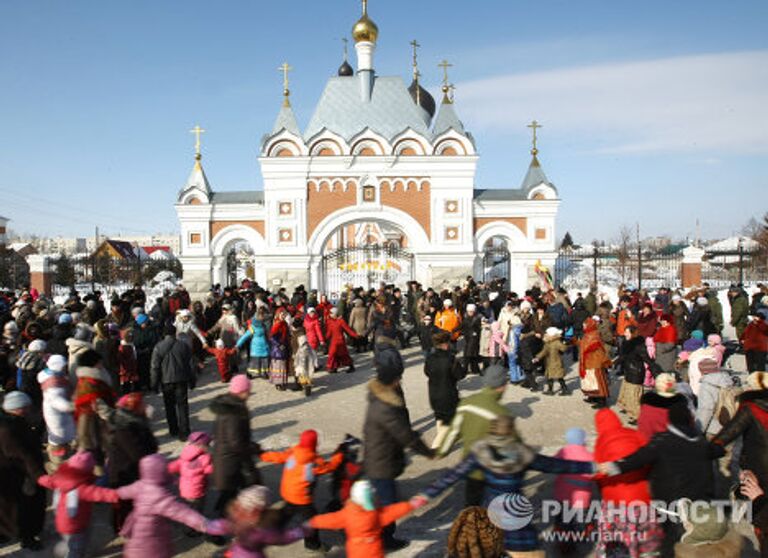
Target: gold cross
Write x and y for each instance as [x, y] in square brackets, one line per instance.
[534, 126]
[445, 65]
[285, 68]
[197, 130]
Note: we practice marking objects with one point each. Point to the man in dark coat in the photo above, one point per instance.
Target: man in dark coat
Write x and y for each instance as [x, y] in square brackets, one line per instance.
[172, 373]
[22, 501]
[470, 331]
[145, 337]
[233, 466]
[386, 433]
[444, 373]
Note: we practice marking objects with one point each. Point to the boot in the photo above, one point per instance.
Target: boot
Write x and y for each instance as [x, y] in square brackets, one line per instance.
[307, 390]
[351, 369]
[564, 388]
[550, 387]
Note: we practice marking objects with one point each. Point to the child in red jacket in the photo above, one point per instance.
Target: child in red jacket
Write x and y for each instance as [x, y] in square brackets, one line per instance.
[754, 340]
[225, 359]
[128, 370]
[193, 466]
[302, 467]
[73, 495]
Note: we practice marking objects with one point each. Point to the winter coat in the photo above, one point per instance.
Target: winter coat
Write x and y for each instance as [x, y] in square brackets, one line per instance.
[193, 466]
[574, 489]
[614, 442]
[529, 347]
[646, 325]
[716, 311]
[739, 312]
[624, 318]
[128, 369]
[232, 449]
[93, 385]
[21, 460]
[58, 409]
[362, 528]
[444, 372]
[172, 363]
[225, 359]
[578, 317]
[633, 357]
[551, 355]
[558, 314]
[130, 441]
[680, 465]
[148, 528]
[709, 394]
[256, 335]
[57, 344]
[750, 421]
[252, 543]
[470, 330]
[279, 341]
[701, 318]
[305, 360]
[666, 348]
[74, 493]
[29, 365]
[425, 335]
[508, 318]
[338, 354]
[144, 339]
[300, 472]
[654, 412]
[486, 335]
[755, 336]
[694, 359]
[387, 432]
[498, 347]
[314, 331]
[358, 319]
[679, 312]
[450, 321]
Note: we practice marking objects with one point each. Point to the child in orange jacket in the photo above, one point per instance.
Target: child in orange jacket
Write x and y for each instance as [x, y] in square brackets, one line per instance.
[302, 467]
[363, 522]
[224, 359]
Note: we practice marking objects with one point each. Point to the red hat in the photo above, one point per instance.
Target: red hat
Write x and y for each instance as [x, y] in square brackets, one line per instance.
[308, 439]
[134, 403]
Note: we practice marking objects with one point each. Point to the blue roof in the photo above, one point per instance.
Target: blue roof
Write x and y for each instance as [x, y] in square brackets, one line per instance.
[249, 196]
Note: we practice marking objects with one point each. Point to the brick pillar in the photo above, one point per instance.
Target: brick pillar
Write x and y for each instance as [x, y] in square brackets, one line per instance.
[40, 273]
[690, 269]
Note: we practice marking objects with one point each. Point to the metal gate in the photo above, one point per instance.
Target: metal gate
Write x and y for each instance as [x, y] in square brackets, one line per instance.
[365, 266]
[496, 264]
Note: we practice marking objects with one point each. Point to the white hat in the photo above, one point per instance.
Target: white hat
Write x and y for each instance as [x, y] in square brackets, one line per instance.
[471, 307]
[37, 346]
[493, 296]
[57, 363]
[525, 305]
[16, 400]
[254, 498]
[553, 332]
[311, 310]
[702, 301]
[447, 303]
[334, 312]
[363, 494]
[219, 343]
[11, 327]
[676, 298]
[184, 313]
[597, 318]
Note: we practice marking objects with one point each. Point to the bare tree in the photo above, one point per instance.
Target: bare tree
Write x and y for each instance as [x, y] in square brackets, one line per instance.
[623, 253]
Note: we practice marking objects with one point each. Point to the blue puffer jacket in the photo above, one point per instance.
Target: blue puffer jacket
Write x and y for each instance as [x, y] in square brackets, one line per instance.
[257, 335]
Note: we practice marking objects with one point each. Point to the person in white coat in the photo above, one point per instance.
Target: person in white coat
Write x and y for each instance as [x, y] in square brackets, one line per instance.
[58, 409]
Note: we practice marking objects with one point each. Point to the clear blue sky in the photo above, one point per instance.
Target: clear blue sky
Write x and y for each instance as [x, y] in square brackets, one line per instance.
[653, 111]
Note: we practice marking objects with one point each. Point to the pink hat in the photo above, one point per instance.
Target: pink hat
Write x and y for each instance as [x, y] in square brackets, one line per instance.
[82, 461]
[240, 384]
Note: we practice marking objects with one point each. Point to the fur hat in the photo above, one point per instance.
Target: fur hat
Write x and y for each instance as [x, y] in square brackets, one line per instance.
[240, 384]
[56, 363]
[665, 385]
[495, 376]
[16, 400]
[254, 498]
[37, 346]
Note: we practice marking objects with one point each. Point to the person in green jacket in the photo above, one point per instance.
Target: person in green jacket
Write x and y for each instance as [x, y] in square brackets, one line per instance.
[472, 423]
[715, 308]
[739, 310]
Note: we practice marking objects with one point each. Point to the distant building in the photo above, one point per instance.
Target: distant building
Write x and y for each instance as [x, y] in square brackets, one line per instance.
[23, 249]
[3, 228]
[116, 249]
[156, 253]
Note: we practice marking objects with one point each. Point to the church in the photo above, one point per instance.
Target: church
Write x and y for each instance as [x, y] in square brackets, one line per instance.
[378, 186]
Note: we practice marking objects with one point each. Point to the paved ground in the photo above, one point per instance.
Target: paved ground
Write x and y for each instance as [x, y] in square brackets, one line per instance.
[336, 407]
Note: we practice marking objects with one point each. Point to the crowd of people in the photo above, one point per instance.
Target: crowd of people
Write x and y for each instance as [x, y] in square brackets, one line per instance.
[75, 421]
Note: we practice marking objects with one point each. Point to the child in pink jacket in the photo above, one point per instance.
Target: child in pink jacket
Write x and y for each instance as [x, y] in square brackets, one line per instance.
[498, 347]
[73, 494]
[147, 531]
[573, 491]
[193, 466]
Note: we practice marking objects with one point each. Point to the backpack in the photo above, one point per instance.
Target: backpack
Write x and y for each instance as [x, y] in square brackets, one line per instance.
[727, 404]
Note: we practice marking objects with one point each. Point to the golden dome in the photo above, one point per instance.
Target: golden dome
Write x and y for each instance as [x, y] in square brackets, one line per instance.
[365, 29]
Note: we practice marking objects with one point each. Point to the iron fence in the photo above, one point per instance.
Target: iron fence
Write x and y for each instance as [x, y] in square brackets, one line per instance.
[722, 268]
[104, 270]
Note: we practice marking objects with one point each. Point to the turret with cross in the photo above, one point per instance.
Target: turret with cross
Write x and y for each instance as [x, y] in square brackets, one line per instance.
[446, 83]
[285, 68]
[534, 126]
[197, 130]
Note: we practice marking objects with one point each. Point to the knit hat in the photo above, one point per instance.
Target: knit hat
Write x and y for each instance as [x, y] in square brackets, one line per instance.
[702, 301]
[525, 306]
[697, 334]
[714, 339]
[240, 384]
[447, 303]
[219, 343]
[363, 494]
[495, 376]
[254, 498]
[311, 310]
[82, 461]
[133, 403]
[665, 385]
[389, 365]
[200, 438]
[56, 363]
[756, 380]
[471, 307]
[576, 437]
[308, 440]
[16, 400]
[65, 318]
[37, 346]
[141, 319]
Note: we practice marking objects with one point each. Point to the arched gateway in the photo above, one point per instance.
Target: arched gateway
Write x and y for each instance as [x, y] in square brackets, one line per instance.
[379, 186]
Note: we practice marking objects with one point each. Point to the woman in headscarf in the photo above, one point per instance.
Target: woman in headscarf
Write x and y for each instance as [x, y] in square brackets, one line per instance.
[593, 361]
[279, 349]
[338, 354]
